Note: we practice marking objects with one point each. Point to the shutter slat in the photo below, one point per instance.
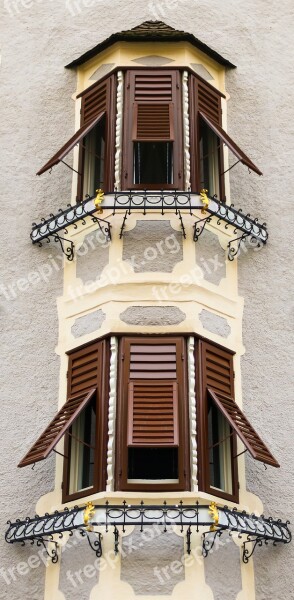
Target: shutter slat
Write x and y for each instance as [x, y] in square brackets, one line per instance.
[243, 428]
[152, 420]
[57, 428]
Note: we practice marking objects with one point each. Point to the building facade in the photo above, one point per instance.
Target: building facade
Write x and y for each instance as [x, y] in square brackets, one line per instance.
[145, 341]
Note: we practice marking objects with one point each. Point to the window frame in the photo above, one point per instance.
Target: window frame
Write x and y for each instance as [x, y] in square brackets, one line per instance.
[102, 407]
[121, 475]
[202, 400]
[176, 128]
[110, 81]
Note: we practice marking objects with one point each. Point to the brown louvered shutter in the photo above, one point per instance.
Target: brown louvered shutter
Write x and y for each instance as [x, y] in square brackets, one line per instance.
[100, 97]
[153, 413]
[152, 112]
[217, 369]
[152, 408]
[85, 368]
[57, 428]
[243, 428]
[206, 99]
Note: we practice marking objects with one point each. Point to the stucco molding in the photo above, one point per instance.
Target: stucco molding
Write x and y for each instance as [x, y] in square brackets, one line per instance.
[112, 414]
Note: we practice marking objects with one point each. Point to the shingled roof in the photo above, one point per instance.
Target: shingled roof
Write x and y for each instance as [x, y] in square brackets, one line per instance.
[151, 31]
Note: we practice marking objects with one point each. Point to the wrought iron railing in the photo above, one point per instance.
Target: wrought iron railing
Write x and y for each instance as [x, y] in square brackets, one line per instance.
[89, 520]
[181, 203]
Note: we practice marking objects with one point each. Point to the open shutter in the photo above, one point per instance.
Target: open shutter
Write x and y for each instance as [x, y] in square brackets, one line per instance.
[153, 413]
[152, 114]
[226, 139]
[57, 428]
[69, 145]
[217, 369]
[243, 428]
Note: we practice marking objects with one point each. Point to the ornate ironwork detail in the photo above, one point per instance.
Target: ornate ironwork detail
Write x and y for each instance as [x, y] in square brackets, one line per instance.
[42, 529]
[188, 537]
[198, 229]
[144, 201]
[96, 546]
[116, 539]
[246, 554]
[208, 539]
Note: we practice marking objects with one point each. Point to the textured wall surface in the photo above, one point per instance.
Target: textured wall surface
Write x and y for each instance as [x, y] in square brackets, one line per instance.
[151, 550]
[92, 257]
[214, 323]
[156, 246]
[88, 323]
[79, 568]
[210, 257]
[37, 115]
[222, 569]
[152, 315]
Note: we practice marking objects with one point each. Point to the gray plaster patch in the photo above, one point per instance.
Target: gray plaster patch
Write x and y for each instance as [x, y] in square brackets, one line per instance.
[153, 60]
[78, 568]
[215, 323]
[222, 569]
[92, 257]
[152, 551]
[202, 71]
[210, 256]
[88, 323]
[152, 315]
[153, 246]
[103, 70]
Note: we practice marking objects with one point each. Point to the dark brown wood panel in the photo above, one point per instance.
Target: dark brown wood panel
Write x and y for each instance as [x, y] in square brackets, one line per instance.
[243, 428]
[164, 360]
[152, 96]
[57, 428]
[153, 413]
[214, 370]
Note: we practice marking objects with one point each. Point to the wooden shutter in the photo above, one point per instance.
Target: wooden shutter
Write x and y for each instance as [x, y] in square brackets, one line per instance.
[152, 113]
[101, 96]
[85, 368]
[226, 139]
[217, 369]
[152, 404]
[153, 122]
[243, 428]
[205, 98]
[57, 428]
[69, 145]
[153, 413]
[149, 360]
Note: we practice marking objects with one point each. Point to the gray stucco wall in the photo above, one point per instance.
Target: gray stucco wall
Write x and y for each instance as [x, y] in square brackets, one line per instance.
[37, 115]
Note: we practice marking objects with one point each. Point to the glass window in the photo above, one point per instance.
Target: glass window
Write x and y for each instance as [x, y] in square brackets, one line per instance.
[153, 163]
[82, 449]
[220, 455]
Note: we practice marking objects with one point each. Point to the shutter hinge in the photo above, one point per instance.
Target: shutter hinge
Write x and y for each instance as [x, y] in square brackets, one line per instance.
[238, 485]
[178, 86]
[66, 374]
[123, 356]
[62, 485]
[234, 374]
[182, 356]
[128, 86]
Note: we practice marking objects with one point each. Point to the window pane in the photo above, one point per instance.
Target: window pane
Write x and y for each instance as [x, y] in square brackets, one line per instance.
[82, 449]
[209, 160]
[153, 463]
[220, 456]
[94, 159]
[153, 162]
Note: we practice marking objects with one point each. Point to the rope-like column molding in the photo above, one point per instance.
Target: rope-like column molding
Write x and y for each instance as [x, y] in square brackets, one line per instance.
[192, 413]
[186, 130]
[118, 130]
[112, 415]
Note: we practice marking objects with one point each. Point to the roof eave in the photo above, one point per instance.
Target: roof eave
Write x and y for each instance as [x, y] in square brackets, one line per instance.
[116, 37]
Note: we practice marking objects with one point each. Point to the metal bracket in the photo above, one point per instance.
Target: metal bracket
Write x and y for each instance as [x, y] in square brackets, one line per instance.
[182, 224]
[255, 541]
[53, 554]
[188, 537]
[198, 228]
[208, 540]
[116, 539]
[235, 249]
[95, 545]
[123, 225]
[67, 246]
